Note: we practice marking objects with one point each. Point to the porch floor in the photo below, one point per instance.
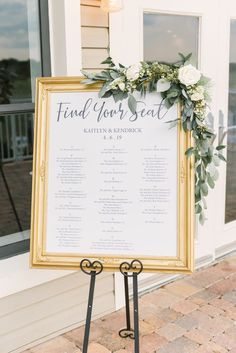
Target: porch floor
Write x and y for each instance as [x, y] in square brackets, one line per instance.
[196, 314]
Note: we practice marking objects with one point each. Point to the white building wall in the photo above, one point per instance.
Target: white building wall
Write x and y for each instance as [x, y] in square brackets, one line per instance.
[36, 305]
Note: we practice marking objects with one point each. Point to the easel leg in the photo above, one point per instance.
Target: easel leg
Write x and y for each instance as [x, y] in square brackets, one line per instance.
[89, 311]
[92, 269]
[128, 331]
[136, 316]
[136, 268]
[126, 285]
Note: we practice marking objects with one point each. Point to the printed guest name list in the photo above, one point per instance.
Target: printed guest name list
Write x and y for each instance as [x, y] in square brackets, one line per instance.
[112, 177]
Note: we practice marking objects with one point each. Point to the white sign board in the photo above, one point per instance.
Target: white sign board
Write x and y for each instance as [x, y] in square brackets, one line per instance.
[112, 181]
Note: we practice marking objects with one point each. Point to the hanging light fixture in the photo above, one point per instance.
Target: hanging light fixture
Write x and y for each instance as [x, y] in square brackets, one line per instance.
[111, 5]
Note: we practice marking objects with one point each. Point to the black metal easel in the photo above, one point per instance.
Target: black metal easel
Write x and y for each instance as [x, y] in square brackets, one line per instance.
[92, 269]
[95, 268]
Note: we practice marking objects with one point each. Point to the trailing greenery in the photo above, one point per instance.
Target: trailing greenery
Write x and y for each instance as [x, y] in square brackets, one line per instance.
[179, 82]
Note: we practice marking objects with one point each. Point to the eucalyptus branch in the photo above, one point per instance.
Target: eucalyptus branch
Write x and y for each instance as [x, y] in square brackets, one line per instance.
[177, 83]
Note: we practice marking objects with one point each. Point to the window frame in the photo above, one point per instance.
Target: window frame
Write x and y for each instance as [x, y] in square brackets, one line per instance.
[22, 246]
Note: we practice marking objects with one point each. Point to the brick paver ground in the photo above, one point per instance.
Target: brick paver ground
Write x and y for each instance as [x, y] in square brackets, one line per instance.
[196, 314]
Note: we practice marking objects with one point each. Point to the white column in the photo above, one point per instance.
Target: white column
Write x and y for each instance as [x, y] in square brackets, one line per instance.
[57, 37]
[73, 37]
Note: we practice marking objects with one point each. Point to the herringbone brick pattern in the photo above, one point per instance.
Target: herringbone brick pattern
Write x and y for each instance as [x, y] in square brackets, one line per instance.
[196, 314]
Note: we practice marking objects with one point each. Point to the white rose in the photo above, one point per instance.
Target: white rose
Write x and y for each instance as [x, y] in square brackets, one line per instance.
[132, 72]
[197, 96]
[163, 85]
[121, 86]
[189, 75]
[118, 82]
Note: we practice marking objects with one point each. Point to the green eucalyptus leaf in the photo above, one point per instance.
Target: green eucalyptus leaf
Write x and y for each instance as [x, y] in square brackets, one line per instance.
[114, 74]
[108, 61]
[211, 169]
[203, 81]
[88, 81]
[222, 157]
[220, 147]
[172, 121]
[200, 123]
[211, 151]
[162, 85]
[172, 94]
[185, 58]
[132, 103]
[190, 151]
[198, 198]
[189, 125]
[202, 173]
[210, 181]
[197, 190]
[188, 56]
[182, 56]
[118, 96]
[204, 203]
[107, 94]
[204, 145]
[168, 104]
[103, 90]
[89, 75]
[216, 160]
[202, 218]
[204, 189]
[173, 124]
[198, 208]
[215, 177]
[185, 126]
[185, 94]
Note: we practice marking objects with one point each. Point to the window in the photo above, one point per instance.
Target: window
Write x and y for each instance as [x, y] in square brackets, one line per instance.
[24, 55]
[167, 35]
[230, 207]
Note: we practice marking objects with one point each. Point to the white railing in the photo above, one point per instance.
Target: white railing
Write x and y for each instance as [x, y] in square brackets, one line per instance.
[16, 135]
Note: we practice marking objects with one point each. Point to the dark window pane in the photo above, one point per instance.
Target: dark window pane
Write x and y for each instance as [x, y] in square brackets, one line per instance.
[167, 35]
[16, 149]
[20, 57]
[230, 209]
[23, 33]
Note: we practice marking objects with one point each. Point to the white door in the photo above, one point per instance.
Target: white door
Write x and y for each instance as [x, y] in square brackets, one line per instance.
[158, 30]
[226, 205]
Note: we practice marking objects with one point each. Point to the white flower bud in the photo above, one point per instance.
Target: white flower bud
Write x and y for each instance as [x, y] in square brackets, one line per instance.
[189, 75]
[121, 86]
[133, 71]
[197, 96]
[198, 93]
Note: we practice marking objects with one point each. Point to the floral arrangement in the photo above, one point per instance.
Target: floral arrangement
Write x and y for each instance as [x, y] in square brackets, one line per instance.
[180, 82]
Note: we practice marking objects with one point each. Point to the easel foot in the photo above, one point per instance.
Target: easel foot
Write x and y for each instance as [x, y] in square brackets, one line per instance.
[125, 333]
[94, 268]
[132, 269]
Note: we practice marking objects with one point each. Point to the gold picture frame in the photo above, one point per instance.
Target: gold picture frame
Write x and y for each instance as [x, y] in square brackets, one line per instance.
[39, 258]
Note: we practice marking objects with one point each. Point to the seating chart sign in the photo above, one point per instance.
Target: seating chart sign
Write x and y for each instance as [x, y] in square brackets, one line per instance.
[109, 185]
